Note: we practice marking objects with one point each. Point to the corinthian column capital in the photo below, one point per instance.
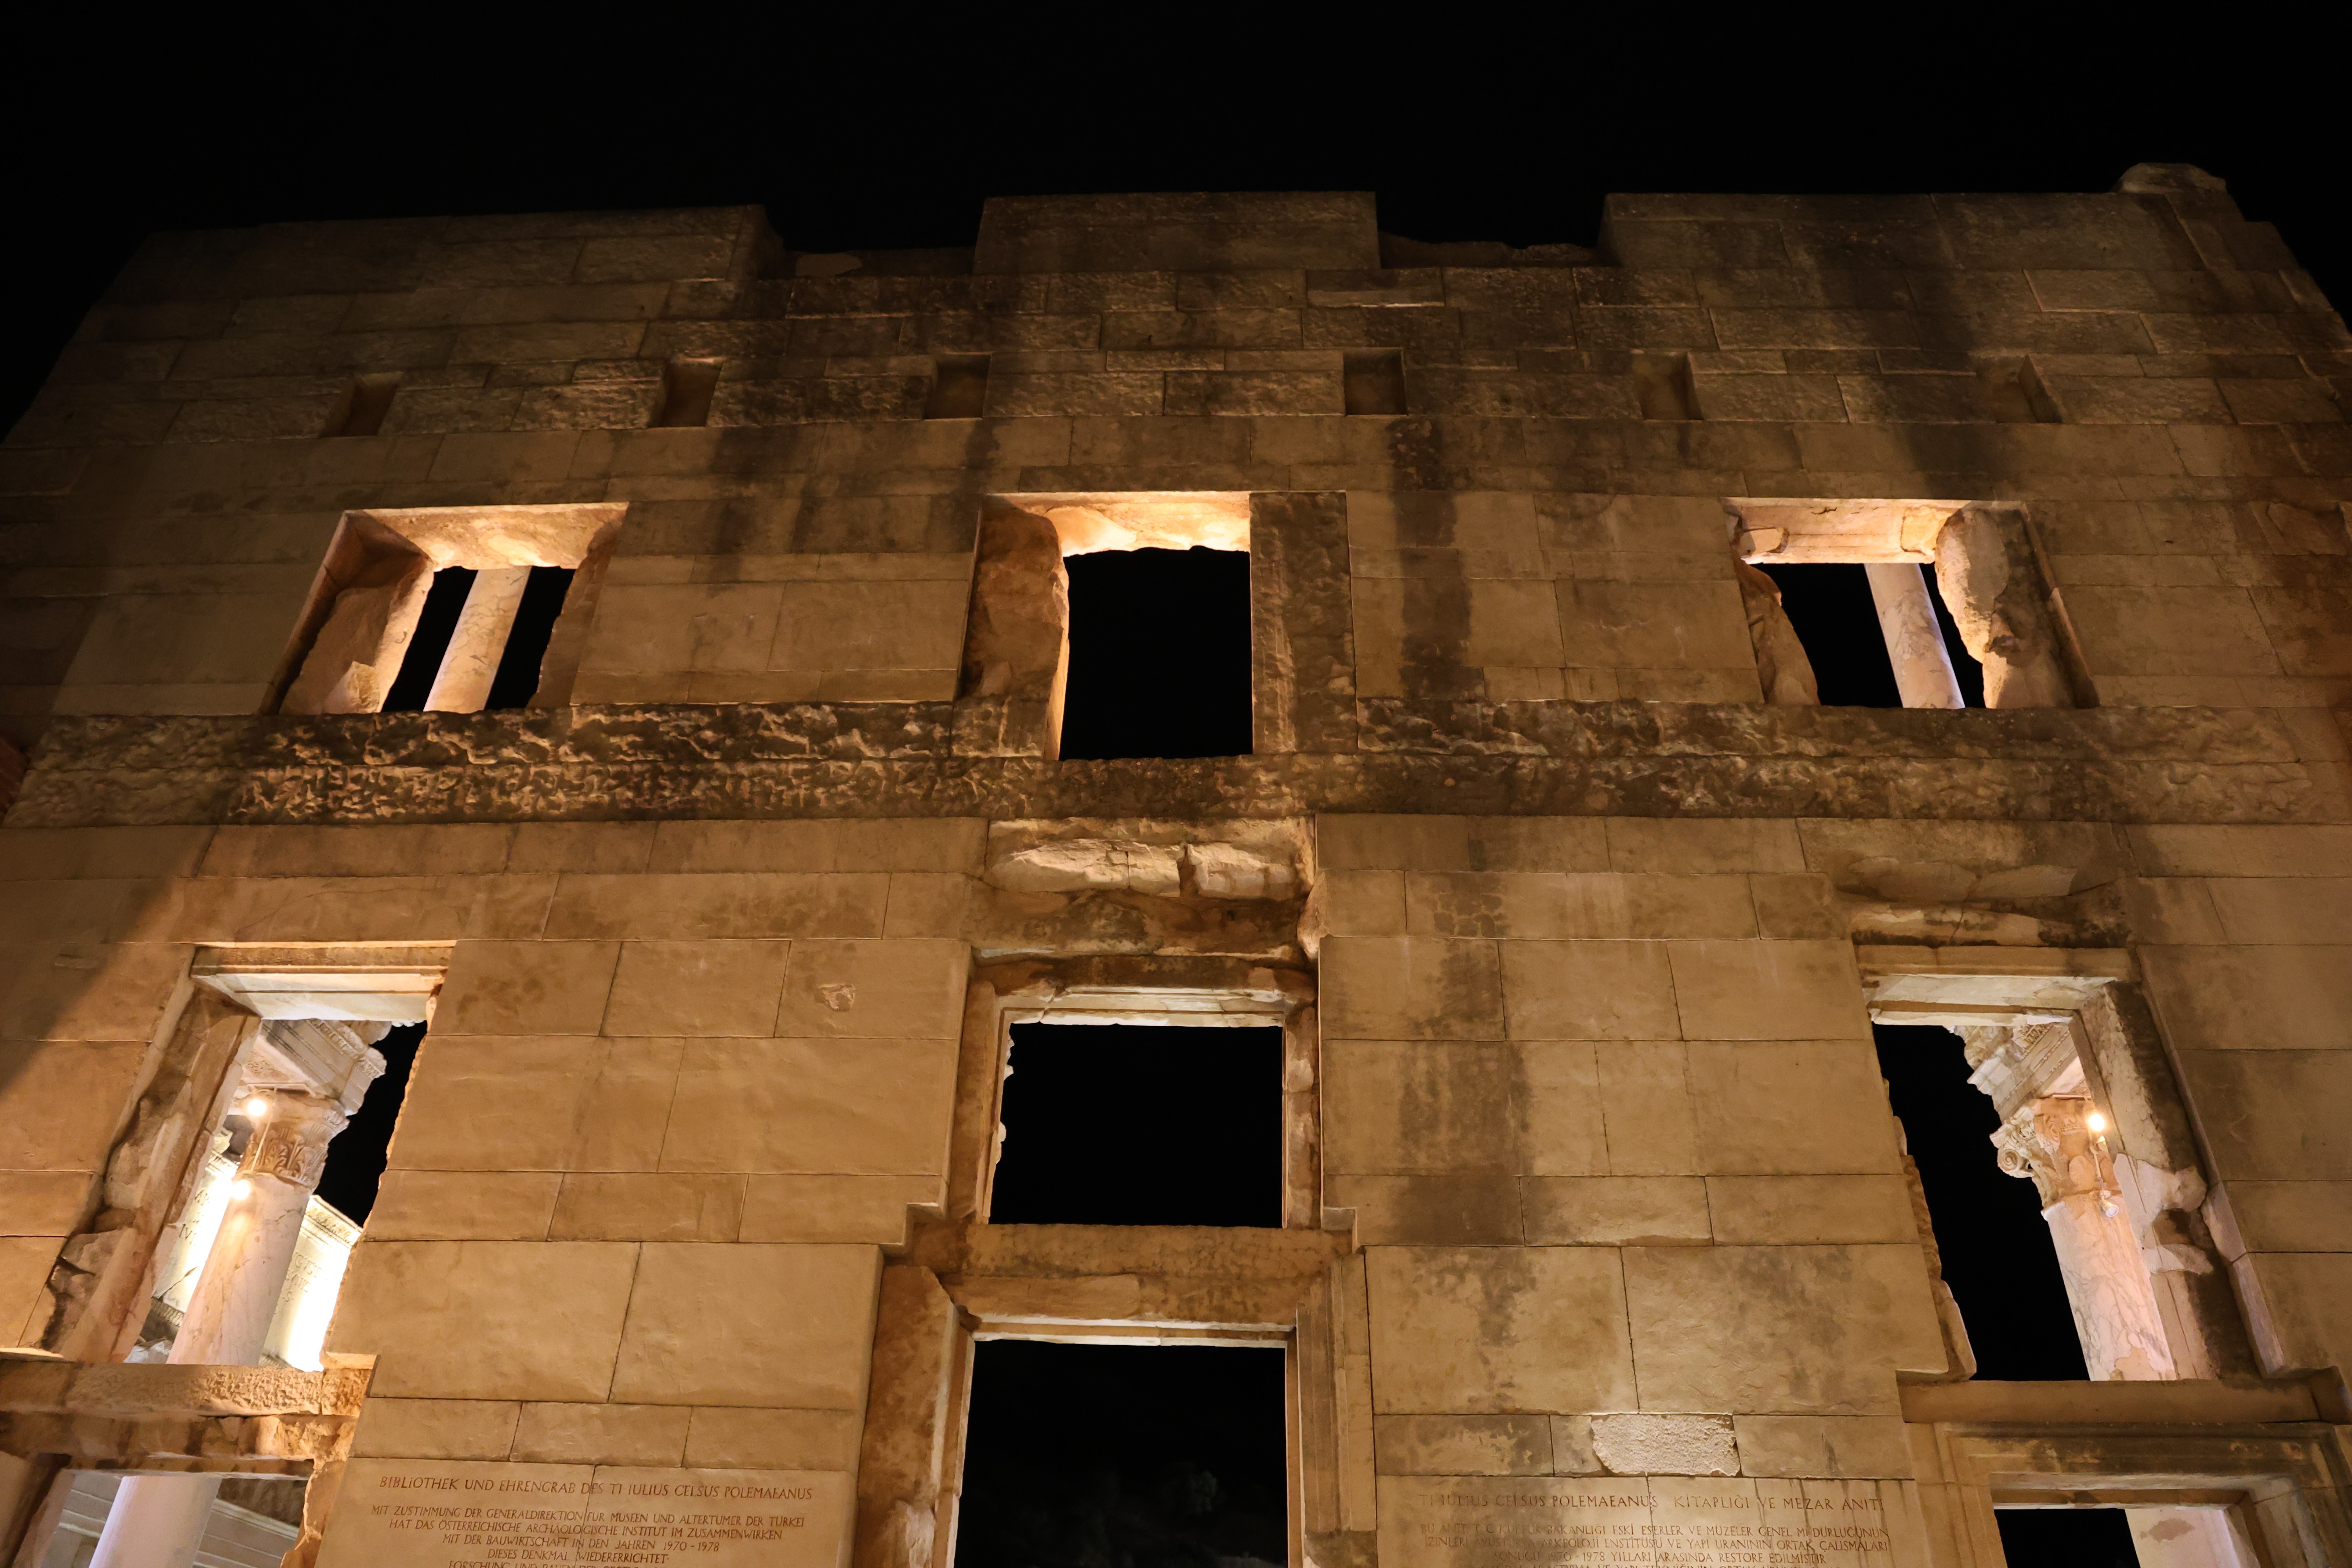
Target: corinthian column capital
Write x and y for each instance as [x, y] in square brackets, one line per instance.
[290, 1141]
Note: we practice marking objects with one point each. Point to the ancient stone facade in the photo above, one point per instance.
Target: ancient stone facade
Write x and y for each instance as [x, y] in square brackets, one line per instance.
[1575, 906]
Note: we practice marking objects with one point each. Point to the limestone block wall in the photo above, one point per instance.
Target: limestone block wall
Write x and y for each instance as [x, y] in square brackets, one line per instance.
[1587, 1114]
[1603, 1097]
[2249, 962]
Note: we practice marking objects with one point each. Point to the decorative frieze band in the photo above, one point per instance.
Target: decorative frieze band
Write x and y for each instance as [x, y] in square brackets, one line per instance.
[1638, 759]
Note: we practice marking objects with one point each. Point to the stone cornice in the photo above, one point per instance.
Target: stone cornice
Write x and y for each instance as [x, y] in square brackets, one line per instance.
[1641, 758]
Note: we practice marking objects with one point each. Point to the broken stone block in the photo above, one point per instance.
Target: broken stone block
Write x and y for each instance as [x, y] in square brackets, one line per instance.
[1228, 871]
[1079, 865]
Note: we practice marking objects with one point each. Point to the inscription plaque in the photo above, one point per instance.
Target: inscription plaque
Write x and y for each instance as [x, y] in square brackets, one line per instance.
[439, 1513]
[1663, 1522]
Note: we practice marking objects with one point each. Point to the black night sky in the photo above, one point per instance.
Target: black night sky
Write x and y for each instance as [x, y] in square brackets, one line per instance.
[884, 129]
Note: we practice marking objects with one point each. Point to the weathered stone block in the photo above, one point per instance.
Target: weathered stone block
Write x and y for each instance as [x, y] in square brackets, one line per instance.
[1485, 1329]
[748, 1325]
[1463, 1445]
[437, 1430]
[435, 1316]
[1793, 1330]
[1665, 1445]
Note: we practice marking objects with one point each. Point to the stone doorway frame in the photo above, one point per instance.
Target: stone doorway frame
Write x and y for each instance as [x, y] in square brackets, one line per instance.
[960, 1281]
[2264, 1452]
[1016, 661]
[2094, 994]
[2270, 1450]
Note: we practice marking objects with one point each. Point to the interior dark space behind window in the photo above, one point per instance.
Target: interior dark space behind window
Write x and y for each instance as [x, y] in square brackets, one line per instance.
[355, 1159]
[436, 623]
[1159, 655]
[1837, 620]
[2067, 1538]
[1141, 1125]
[517, 680]
[1083, 1456]
[1998, 1256]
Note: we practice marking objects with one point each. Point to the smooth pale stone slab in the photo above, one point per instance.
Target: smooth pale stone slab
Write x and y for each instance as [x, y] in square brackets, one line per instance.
[1458, 1521]
[428, 1513]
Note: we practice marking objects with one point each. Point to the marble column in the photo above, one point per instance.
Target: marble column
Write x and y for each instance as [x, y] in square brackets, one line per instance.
[158, 1522]
[467, 669]
[1915, 639]
[2058, 1142]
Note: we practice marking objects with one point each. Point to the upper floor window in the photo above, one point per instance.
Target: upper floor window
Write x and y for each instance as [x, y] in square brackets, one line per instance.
[1912, 603]
[453, 609]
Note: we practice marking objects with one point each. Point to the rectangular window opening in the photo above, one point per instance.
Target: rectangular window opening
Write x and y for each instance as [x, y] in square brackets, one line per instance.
[687, 386]
[362, 407]
[1154, 1455]
[1877, 635]
[1159, 653]
[291, 1062]
[451, 610]
[1372, 381]
[2038, 1239]
[959, 387]
[1140, 1124]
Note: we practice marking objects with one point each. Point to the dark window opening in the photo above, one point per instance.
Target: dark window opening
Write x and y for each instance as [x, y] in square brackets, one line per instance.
[1080, 1456]
[365, 400]
[1998, 1256]
[1159, 655]
[1663, 384]
[1136, 1124]
[436, 624]
[517, 681]
[1837, 620]
[959, 387]
[687, 386]
[1372, 381]
[2067, 1538]
[355, 1160]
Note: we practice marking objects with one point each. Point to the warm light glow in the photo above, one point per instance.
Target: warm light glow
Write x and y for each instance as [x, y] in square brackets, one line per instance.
[2096, 1123]
[257, 1107]
[239, 1188]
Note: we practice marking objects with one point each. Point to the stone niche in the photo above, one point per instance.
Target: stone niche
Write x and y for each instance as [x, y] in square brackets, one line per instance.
[363, 609]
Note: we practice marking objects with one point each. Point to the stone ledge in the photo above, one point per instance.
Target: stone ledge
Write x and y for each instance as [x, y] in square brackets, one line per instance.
[2188, 1402]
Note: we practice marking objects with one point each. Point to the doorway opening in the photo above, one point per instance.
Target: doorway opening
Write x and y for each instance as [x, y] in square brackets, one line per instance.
[1159, 653]
[1161, 1456]
[1141, 1125]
